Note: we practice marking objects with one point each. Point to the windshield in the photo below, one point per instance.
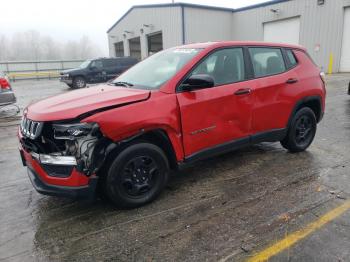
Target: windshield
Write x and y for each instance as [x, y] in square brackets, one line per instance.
[85, 64]
[154, 71]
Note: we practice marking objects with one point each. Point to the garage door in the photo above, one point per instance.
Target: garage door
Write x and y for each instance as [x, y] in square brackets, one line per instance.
[283, 31]
[345, 51]
[155, 43]
[135, 47]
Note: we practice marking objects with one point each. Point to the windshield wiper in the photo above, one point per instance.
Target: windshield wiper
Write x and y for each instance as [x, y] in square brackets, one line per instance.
[122, 83]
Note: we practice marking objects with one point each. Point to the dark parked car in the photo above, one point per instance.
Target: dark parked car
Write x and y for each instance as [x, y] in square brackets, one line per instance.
[96, 71]
[7, 96]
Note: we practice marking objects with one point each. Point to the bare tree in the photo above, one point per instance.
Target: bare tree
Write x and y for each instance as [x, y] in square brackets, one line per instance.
[19, 48]
[34, 44]
[51, 50]
[87, 48]
[71, 50]
[3, 48]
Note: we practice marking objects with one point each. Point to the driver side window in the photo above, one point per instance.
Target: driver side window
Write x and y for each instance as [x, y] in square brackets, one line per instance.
[225, 66]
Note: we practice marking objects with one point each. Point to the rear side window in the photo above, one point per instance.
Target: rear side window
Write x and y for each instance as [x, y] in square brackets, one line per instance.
[126, 62]
[267, 61]
[291, 57]
[109, 62]
[225, 66]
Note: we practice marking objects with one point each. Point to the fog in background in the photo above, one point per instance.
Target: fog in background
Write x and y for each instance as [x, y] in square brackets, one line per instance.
[66, 29]
[31, 45]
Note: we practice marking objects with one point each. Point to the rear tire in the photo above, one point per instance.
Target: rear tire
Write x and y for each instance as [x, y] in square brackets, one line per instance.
[137, 175]
[301, 131]
[79, 82]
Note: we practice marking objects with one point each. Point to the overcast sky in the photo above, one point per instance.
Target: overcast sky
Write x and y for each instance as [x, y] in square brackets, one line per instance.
[70, 19]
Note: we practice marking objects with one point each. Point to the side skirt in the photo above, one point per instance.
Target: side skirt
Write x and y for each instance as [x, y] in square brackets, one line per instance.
[269, 136]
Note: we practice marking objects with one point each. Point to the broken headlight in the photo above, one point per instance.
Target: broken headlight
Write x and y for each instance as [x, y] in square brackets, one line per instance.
[74, 131]
[80, 140]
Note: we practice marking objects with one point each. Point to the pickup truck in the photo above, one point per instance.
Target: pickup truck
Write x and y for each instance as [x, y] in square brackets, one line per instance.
[96, 71]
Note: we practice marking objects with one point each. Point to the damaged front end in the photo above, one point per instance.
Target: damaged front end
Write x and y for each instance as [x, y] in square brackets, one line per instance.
[64, 151]
[80, 141]
[62, 146]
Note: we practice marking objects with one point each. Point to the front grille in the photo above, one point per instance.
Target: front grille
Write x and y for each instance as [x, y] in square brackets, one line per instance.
[30, 128]
[64, 76]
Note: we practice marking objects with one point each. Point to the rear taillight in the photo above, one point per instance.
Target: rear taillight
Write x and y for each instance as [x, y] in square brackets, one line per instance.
[4, 84]
[323, 77]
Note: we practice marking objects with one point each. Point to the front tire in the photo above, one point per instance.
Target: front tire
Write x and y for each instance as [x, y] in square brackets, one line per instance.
[79, 82]
[301, 131]
[137, 175]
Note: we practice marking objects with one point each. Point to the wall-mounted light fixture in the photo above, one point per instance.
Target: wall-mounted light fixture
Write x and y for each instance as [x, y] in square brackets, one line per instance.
[150, 26]
[275, 11]
[141, 30]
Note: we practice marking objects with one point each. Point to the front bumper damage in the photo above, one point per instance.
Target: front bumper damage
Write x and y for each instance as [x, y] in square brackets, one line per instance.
[75, 185]
[79, 192]
[61, 167]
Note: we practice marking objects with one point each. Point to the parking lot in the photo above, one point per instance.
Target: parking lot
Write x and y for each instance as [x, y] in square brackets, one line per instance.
[231, 208]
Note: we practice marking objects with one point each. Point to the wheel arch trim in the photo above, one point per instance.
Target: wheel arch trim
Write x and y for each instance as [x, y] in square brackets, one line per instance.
[305, 101]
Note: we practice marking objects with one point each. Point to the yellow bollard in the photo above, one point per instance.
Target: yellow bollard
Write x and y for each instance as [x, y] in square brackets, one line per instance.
[330, 65]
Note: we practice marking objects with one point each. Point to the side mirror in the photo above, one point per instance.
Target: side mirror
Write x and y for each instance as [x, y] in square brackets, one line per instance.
[93, 68]
[199, 81]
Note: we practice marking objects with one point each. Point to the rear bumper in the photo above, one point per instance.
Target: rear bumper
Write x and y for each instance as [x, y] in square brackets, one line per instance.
[82, 192]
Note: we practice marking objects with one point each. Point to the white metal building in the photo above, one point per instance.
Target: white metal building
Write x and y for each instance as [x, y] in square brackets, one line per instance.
[322, 26]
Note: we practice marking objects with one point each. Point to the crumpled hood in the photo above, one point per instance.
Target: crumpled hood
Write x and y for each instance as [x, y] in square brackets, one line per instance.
[74, 103]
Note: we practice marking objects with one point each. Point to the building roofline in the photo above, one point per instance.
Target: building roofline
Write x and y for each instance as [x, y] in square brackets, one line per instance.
[216, 8]
[270, 2]
[179, 4]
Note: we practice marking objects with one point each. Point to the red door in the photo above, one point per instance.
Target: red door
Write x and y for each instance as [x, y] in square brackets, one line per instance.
[220, 114]
[272, 103]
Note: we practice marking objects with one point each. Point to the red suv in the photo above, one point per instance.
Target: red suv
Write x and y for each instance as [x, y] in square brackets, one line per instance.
[176, 107]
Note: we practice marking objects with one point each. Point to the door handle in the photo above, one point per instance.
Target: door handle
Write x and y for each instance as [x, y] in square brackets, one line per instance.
[291, 81]
[243, 91]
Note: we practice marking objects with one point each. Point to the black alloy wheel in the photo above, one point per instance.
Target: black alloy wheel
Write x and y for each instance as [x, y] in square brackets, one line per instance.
[301, 131]
[137, 175]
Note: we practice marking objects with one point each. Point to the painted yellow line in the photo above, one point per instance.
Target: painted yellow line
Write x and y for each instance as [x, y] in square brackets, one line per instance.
[52, 73]
[296, 236]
